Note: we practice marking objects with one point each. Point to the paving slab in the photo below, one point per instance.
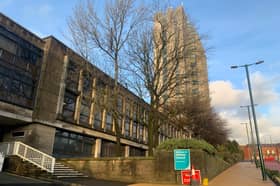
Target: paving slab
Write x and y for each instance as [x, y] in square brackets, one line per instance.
[12, 179]
[241, 174]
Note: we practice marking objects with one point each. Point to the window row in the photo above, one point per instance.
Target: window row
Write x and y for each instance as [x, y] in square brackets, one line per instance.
[16, 87]
[101, 119]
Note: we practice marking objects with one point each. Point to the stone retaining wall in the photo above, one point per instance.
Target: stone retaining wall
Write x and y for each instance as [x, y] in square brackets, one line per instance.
[158, 169]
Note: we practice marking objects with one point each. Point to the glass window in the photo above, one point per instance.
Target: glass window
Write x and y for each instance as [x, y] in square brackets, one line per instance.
[193, 64]
[120, 104]
[97, 119]
[72, 76]
[134, 130]
[127, 108]
[195, 91]
[133, 151]
[18, 86]
[127, 127]
[68, 144]
[194, 73]
[141, 127]
[109, 121]
[69, 105]
[108, 149]
[135, 107]
[8, 44]
[120, 122]
[195, 82]
[84, 111]
[87, 83]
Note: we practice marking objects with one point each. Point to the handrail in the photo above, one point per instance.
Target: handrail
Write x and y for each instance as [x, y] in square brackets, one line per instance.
[28, 153]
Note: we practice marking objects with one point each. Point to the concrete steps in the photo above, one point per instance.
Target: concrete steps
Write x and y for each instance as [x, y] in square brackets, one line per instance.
[63, 171]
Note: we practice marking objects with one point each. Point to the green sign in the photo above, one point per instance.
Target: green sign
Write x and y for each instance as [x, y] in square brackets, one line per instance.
[182, 159]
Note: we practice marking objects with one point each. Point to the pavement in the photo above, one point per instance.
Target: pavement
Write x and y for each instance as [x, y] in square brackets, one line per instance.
[12, 179]
[241, 174]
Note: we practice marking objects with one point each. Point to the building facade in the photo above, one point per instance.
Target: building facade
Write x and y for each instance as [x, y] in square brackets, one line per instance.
[54, 100]
[182, 39]
[270, 152]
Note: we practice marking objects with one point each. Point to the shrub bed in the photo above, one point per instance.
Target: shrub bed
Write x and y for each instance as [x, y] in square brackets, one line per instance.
[187, 144]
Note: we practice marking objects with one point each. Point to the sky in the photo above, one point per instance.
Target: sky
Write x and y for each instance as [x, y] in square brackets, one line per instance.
[238, 32]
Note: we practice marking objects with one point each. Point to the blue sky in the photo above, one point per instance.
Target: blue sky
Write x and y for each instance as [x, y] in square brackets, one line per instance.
[239, 32]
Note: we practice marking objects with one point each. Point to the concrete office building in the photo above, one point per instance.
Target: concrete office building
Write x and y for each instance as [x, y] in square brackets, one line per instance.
[191, 74]
[54, 100]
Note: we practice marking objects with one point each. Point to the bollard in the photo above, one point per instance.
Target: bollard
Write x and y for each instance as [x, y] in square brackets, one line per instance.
[205, 182]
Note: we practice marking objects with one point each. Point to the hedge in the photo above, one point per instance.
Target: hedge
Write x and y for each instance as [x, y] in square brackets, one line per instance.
[187, 144]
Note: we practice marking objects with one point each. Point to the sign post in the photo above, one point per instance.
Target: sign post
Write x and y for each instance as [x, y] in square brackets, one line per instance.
[182, 159]
[186, 177]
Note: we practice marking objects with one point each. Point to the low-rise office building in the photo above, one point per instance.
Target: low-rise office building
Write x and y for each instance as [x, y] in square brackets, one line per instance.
[56, 101]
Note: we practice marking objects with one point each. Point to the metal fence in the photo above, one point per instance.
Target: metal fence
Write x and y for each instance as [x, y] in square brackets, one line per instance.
[28, 153]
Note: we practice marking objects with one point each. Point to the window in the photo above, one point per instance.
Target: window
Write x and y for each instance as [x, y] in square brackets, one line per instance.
[135, 107]
[134, 130]
[194, 73]
[84, 112]
[8, 45]
[195, 82]
[68, 144]
[120, 123]
[127, 127]
[141, 130]
[16, 87]
[193, 64]
[69, 106]
[108, 149]
[127, 108]
[120, 105]
[195, 91]
[72, 76]
[133, 151]
[97, 119]
[109, 121]
[87, 83]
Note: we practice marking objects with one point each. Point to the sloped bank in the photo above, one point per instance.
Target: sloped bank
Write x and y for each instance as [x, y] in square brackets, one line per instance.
[157, 169]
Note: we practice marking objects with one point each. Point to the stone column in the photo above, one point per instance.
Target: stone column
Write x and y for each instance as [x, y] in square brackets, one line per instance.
[126, 151]
[97, 152]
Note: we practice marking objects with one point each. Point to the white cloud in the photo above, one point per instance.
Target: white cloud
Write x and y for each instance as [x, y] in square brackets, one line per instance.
[264, 89]
[226, 99]
[223, 95]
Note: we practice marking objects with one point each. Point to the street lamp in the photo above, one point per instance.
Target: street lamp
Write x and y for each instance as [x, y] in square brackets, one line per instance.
[251, 130]
[254, 115]
[247, 137]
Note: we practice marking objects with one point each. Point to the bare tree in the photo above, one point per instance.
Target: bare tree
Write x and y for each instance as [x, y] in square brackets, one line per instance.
[155, 54]
[200, 119]
[107, 34]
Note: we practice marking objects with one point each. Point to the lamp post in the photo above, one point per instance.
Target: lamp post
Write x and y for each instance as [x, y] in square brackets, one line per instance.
[247, 137]
[254, 115]
[251, 130]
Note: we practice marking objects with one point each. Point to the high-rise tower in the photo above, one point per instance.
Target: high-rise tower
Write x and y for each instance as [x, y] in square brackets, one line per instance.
[191, 72]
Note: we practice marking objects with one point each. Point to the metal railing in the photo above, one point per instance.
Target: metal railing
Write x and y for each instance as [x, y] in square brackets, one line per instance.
[28, 153]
